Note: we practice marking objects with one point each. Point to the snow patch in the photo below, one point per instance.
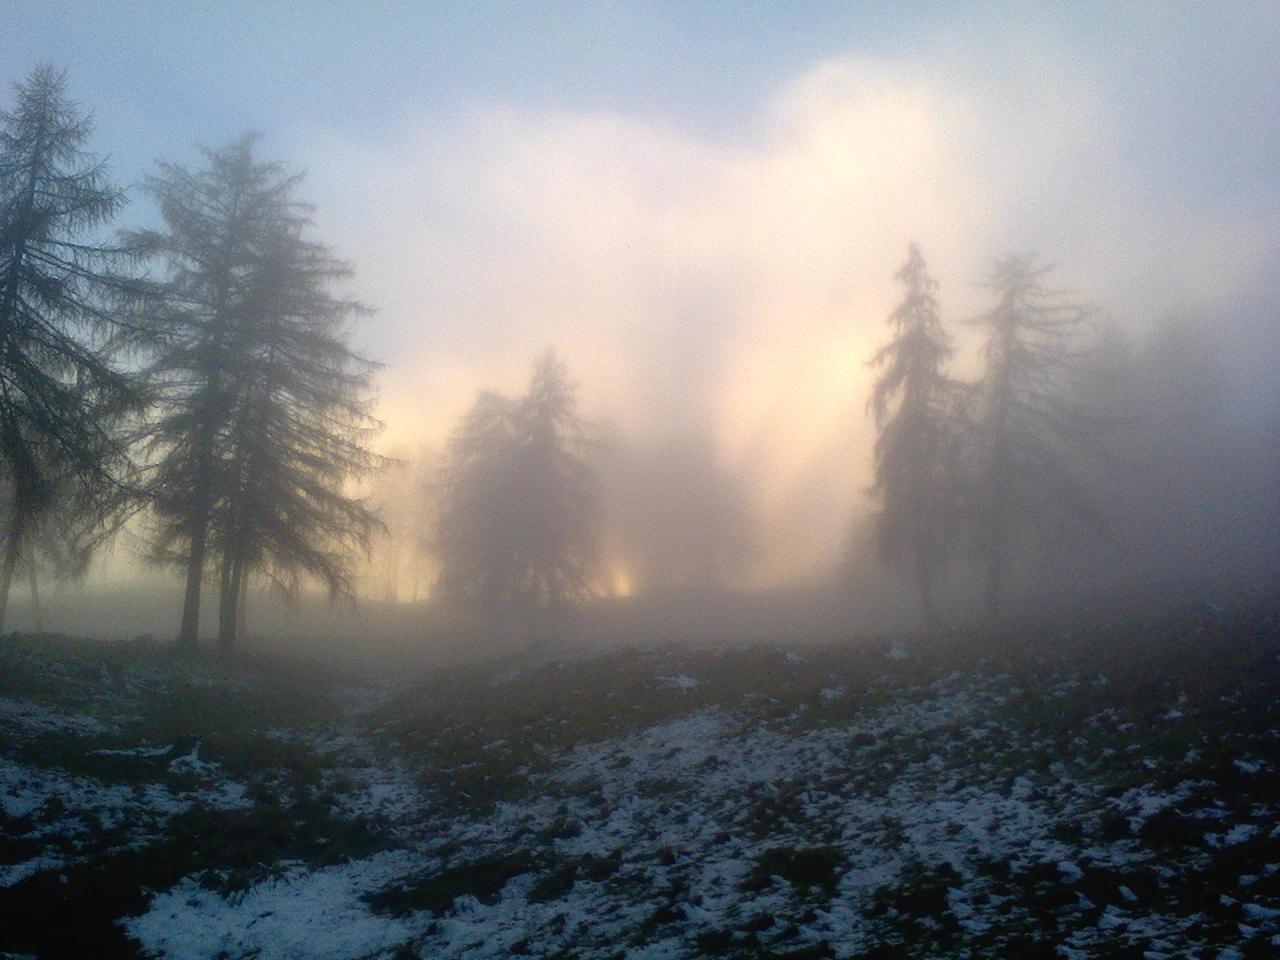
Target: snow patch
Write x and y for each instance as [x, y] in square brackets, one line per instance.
[680, 681]
[301, 914]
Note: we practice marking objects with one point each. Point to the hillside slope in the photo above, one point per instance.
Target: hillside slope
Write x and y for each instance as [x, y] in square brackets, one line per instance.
[1109, 794]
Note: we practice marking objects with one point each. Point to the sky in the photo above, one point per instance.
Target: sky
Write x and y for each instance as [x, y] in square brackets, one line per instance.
[701, 206]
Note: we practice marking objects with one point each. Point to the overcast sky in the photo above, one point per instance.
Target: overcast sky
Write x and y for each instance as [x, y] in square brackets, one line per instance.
[702, 205]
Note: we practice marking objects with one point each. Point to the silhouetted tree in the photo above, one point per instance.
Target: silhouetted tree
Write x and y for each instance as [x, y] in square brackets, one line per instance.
[299, 430]
[218, 223]
[915, 405]
[478, 490]
[67, 301]
[558, 548]
[518, 497]
[264, 414]
[1031, 422]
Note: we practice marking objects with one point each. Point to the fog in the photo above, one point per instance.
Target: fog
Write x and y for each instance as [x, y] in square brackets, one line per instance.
[639, 479]
[710, 249]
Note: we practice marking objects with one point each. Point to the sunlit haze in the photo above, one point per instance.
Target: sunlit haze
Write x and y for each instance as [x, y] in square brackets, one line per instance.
[639, 479]
[701, 208]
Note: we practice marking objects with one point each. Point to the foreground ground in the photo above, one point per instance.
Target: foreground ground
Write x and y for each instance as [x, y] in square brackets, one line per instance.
[1109, 794]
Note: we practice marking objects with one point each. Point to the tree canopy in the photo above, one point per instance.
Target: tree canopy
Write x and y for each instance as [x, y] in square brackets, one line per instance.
[1031, 420]
[69, 305]
[517, 525]
[916, 409]
[264, 410]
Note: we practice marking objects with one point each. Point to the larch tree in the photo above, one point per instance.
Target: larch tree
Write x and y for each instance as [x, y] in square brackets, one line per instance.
[218, 223]
[69, 301]
[1031, 424]
[299, 431]
[518, 505]
[560, 495]
[915, 405]
[477, 494]
[264, 414]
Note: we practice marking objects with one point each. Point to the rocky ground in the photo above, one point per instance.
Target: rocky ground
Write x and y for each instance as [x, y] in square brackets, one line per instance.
[1107, 793]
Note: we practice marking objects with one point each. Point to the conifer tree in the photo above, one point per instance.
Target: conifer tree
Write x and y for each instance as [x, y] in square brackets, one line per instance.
[217, 222]
[516, 529]
[1032, 422]
[299, 432]
[68, 302]
[478, 492]
[560, 490]
[915, 407]
[264, 410]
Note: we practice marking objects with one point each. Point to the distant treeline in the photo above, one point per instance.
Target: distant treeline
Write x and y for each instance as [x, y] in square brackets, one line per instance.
[1086, 466]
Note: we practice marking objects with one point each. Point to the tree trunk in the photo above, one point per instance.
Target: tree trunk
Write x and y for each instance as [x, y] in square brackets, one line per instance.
[12, 550]
[205, 450]
[17, 244]
[35, 589]
[242, 602]
[200, 520]
[195, 575]
[228, 605]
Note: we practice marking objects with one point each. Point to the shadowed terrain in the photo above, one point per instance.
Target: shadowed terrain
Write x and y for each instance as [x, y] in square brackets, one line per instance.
[1100, 793]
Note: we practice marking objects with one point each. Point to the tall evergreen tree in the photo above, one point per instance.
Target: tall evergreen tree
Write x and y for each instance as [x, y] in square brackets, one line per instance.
[218, 224]
[516, 529]
[265, 410]
[1032, 423]
[915, 407]
[478, 491]
[560, 489]
[67, 302]
[298, 434]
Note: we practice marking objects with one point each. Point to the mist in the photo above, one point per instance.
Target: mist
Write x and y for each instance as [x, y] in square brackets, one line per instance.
[639, 481]
[716, 289]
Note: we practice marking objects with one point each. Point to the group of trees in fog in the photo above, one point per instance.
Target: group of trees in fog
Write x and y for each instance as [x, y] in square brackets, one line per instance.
[198, 372]
[195, 380]
[969, 466]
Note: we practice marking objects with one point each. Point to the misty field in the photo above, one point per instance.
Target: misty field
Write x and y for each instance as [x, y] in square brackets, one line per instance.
[1104, 794]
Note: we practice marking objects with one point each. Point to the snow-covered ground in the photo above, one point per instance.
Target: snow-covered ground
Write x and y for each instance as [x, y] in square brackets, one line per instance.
[659, 804]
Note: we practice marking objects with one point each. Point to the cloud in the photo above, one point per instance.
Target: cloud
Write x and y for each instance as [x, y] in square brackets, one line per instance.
[741, 286]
